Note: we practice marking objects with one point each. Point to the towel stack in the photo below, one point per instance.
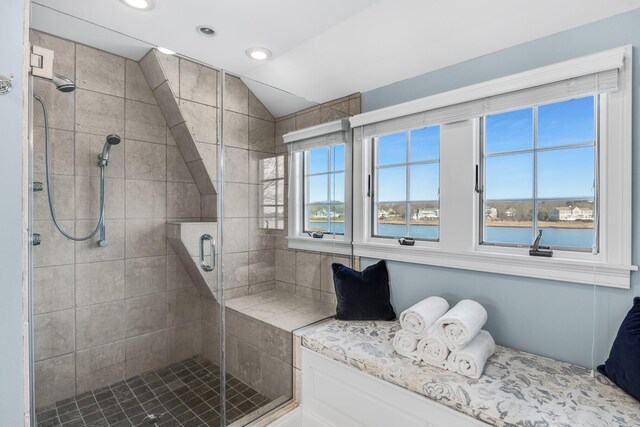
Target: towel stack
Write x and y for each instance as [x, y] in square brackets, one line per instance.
[452, 339]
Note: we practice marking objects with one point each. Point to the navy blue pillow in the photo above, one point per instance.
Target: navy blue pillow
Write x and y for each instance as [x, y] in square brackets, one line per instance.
[362, 295]
[623, 365]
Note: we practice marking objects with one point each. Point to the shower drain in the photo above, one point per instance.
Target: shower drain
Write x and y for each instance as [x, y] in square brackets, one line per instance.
[152, 419]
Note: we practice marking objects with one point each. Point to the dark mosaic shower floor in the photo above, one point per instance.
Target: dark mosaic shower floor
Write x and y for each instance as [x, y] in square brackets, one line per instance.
[185, 393]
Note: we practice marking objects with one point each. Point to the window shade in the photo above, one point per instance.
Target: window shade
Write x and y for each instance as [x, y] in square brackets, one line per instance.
[602, 82]
[317, 136]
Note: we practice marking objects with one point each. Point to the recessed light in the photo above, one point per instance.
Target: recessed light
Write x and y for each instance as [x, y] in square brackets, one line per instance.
[139, 4]
[205, 30]
[166, 51]
[258, 53]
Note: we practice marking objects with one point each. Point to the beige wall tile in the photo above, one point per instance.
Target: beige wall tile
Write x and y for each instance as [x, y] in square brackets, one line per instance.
[145, 314]
[99, 71]
[257, 109]
[236, 130]
[152, 70]
[145, 352]
[308, 270]
[65, 52]
[171, 67]
[236, 200]
[89, 251]
[236, 270]
[201, 121]
[63, 197]
[177, 169]
[53, 288]
[249, 331]
[145, 237]
[144, 122]
[277, 342]
[146, 199]
[168, 105]
[54, 334]
[256, 288]
[55, 249]
[61, 147]
[145, 160]
[183, 306]
[98, 113]
[184, 141]
[87, 200]
[88, 148]
[236, 165]
[236, 95]
[60, 106]
[276, 378]
[261, 135]
[177, 275]
[262, 266]
[283, 127]
[99, 282]
[145, 276]
[249, 368]
[137, 87]
[309, 118]
[198, 83]
[184, 341]
[326, 273]
[100, 366]
[100, 324]
[285, 266]
[55, 379]
[183, 200]
[260, 238]
[202, 177]
[237, 232]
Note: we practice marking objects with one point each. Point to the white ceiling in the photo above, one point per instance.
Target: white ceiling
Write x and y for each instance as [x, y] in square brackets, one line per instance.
[322, 49]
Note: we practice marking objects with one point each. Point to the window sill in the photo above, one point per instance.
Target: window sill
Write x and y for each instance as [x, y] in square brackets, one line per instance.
[326, 244]
[556, 268]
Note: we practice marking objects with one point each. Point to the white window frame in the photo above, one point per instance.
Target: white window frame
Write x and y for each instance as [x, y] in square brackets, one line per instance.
[324, 135]
[459, 245]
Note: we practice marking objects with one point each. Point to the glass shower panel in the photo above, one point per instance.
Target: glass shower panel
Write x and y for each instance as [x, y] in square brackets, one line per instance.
[125, 324]
[271, 290]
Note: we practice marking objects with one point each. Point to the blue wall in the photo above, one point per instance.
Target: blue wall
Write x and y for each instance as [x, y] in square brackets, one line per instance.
[554, 319]
[11, 120]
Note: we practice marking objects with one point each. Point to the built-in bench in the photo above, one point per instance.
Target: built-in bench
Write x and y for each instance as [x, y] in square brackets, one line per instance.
[516, 389]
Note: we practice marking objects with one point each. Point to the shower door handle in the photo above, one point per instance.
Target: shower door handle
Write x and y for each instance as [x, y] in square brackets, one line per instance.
[212, 256]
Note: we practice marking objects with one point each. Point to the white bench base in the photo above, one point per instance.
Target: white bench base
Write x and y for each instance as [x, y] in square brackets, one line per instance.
[334, 394]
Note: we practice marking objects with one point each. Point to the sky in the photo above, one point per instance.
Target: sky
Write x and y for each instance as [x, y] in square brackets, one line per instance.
[562, 173]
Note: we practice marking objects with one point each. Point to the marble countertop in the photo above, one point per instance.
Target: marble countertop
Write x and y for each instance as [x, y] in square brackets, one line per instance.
[516, 389]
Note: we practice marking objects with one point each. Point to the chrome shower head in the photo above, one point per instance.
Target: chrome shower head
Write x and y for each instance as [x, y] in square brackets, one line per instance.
[112, 139]
[63, 84]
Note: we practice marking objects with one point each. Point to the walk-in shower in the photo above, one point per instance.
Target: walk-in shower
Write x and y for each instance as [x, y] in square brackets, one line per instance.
[65, 85]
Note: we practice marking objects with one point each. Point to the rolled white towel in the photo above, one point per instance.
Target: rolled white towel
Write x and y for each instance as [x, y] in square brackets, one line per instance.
[461, 324]
[405, 344]
[470, 360]
[421, 316]
[433, 350]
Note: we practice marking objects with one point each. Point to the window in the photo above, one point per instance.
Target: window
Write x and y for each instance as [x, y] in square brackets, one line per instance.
[324, 190]
[320, 183]
[272, 193]
[407, 180]
[539, 168]
[474, 174]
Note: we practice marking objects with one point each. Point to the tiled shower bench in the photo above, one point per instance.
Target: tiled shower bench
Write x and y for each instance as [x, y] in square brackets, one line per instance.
[351, 376]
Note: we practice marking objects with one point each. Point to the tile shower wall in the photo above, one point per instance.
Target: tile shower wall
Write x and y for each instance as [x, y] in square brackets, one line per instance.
[104, 314]
[302, 272]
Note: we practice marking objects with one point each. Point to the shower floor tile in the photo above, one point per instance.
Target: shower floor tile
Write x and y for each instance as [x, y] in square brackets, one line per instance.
[182, 394]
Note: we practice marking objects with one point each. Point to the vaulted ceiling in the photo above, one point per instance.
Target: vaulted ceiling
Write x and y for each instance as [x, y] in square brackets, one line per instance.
[321, 49]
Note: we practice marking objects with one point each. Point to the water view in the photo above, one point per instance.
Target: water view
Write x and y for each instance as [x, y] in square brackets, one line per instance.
[563, 237]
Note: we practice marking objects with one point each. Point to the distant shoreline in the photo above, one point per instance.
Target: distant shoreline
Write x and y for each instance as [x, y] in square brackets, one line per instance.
[513, 224]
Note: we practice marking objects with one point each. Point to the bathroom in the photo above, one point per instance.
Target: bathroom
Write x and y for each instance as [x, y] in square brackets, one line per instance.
[177, 235]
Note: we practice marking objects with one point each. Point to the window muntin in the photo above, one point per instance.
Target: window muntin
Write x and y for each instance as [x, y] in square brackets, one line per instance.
[272, 193]
[406, 199]
[324, 189]
[539, 174]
